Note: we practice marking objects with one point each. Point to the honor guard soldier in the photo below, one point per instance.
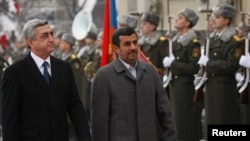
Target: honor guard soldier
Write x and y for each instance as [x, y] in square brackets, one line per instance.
[183, 64]
[245, 63]
[57, 38]
[153, 45]
[66, 47]
[221, 102]
[89, 56]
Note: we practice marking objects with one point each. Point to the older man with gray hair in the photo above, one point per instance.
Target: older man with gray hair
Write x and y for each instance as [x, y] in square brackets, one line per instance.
[39, 91]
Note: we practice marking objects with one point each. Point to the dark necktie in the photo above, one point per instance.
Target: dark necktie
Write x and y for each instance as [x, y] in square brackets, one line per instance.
[46, 73]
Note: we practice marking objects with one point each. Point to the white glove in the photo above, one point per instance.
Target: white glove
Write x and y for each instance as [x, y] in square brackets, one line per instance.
[167, 61]
[239, 78]
[197, 79]
[245, 61]
[203, 60]
[165, 78]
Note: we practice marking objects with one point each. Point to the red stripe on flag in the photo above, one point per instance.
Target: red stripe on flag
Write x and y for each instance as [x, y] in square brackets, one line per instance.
[106, 34]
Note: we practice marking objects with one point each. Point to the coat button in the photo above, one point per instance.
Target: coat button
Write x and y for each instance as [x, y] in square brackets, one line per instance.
[175, 76]
[177, 57]
[215, 54]
[212, 74]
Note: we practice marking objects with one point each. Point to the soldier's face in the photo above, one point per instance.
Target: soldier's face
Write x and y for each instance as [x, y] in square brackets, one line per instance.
[146, 28]
[128, 49]
[219, 22]
[211, 26]
[64, 46]
[43, 42]
[57, 41]
[181, 22]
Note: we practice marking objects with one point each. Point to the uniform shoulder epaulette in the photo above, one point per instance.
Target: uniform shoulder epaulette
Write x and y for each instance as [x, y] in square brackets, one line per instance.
[195, 40]
[73, 56]
[236, 38]
[162, 38]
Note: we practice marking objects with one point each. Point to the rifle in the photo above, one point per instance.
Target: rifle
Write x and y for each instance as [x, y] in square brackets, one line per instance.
[198, 96]
[170, 54]
[243, 91]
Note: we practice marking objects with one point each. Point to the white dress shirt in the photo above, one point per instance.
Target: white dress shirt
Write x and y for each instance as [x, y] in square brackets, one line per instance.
[39, 62]
[131, 69]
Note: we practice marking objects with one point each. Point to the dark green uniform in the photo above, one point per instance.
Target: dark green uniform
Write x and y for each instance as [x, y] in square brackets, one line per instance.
[71, 58]
[221, 101]
[155, 50]
[89, 60]
[187, 113]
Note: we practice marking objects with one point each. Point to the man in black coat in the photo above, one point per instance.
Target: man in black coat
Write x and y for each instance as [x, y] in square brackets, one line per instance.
[38, 97]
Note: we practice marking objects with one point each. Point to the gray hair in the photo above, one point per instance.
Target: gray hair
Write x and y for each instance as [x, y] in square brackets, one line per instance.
[30, 26]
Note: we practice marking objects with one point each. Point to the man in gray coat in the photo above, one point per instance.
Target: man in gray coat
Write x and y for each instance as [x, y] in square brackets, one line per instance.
[128, 100]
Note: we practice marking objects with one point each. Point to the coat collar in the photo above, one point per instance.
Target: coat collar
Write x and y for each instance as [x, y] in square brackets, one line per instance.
[119, 68]
[33, 71]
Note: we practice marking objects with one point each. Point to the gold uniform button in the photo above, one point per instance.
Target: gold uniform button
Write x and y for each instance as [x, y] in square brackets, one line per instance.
[177, 57]
[215, 54]
[175, 76]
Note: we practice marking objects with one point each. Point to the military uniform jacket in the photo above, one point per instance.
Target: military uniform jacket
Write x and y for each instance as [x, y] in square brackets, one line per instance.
[245, 109]
[155, 49]
[127, 109]
[187, 113]
[221, 91]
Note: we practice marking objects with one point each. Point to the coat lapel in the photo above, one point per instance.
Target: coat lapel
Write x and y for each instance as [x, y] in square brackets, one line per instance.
[33, 71]
[119, 67]
[140, 69]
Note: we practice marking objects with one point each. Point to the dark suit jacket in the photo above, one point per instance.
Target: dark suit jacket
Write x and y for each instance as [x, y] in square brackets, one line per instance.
[126, 109]
[31, 111]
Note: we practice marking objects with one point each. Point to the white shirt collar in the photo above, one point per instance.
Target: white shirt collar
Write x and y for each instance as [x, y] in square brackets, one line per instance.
[219, 34]
[127, 65]
[39, 62]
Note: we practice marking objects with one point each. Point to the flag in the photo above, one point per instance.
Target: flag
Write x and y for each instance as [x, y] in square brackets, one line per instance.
[109, 26]
[142, 57]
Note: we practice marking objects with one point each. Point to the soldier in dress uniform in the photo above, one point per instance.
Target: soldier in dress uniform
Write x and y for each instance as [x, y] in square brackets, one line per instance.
[57, 38]
[153, 45]
[89, 56]
[221, 103]
[186, 50]
[67, 54]
[245, 63]
[21, 49]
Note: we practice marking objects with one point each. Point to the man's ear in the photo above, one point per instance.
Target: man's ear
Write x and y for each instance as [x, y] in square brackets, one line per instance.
[227, 21]
[187, 23]
[117, 49]
[29, 42]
